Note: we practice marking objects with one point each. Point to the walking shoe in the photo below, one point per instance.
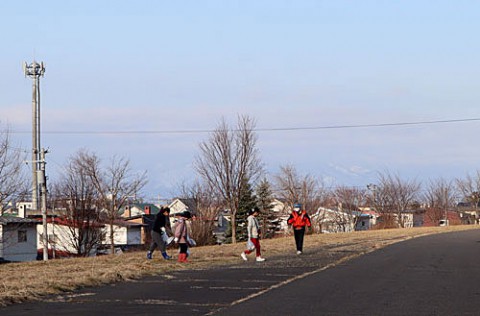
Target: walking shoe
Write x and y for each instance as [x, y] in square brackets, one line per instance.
[299, 252]
[244, 256]
[149, 255]
[260, 259]
[166, 256]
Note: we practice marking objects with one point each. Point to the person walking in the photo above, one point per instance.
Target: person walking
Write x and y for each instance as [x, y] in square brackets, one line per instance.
[159, 233]
[253, 230]
[181, 234]
[299, 220]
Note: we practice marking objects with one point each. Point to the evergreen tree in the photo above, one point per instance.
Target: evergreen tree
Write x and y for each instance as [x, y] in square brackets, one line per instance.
[246, 203]
[268, 218]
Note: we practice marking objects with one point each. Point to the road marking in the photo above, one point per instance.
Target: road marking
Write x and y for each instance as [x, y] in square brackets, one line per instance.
[295, 278]
[233, 288]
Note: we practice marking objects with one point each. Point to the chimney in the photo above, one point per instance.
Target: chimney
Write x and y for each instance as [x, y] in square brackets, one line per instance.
[128, 212]
[22, 211]
[147, 210]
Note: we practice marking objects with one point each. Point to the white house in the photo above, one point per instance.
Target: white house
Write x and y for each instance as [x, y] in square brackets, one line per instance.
[282, 213]
[62, 236]
[407, 218]
[366, 219]
[333, 221]
[179, 205]
[125, 233]
[18, 239]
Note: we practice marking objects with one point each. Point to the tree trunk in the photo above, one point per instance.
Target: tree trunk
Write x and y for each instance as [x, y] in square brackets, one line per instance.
[234, 227]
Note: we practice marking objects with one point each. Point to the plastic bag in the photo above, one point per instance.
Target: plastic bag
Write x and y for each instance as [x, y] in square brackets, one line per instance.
[250, 245]
[191, 242]
[167, 240]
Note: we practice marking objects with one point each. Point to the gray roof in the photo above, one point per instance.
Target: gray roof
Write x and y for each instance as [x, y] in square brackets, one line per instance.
[5, 220]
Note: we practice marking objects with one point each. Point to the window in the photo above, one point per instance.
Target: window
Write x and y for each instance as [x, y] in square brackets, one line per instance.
[22, 235]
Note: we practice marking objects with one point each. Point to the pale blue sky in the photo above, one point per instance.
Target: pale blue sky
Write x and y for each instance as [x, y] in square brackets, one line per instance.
[182, 65]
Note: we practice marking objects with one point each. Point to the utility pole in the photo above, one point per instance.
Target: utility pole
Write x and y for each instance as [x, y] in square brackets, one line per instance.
[42, 181]
[35, 71]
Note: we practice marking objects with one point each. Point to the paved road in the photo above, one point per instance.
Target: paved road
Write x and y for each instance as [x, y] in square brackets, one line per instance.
[433, 275]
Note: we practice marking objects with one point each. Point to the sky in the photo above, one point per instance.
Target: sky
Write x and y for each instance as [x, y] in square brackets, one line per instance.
[326, 73]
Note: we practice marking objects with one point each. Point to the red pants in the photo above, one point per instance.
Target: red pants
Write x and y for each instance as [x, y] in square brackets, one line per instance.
[256, 242]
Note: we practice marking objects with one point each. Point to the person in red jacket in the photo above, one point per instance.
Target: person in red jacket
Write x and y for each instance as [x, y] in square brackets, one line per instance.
[299, 220]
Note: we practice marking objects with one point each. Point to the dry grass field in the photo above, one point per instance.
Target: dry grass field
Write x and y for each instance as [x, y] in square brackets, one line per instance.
[34, 280]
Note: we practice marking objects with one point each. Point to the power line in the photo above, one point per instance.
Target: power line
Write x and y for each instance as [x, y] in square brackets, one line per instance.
[372, 125]
[273, 129]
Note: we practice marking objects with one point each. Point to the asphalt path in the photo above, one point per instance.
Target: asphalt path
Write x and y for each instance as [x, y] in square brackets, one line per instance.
[432, 275]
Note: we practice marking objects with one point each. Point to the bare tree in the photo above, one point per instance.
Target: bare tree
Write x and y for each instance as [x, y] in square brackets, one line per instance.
[439, 197]
[115, 184]
[13, 183]
[77, 196]
[393, 196]
[470, 190]
[226, 158]
[207, 209]
[348, 200]
[294, 188]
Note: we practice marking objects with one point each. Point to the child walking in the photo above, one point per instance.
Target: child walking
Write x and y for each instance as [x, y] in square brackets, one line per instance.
[181, 235]
[253, 229]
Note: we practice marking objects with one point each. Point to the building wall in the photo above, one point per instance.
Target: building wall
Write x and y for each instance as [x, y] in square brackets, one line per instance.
[123, 235]
[60, 237]
[13, 249]
[366, 222]
[134, 236]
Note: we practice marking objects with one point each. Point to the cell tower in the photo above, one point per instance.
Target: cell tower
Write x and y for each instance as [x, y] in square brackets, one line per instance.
[35, 71]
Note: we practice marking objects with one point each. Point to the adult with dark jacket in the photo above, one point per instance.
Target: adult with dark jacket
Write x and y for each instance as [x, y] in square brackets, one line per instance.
[299, 220]
[159, 233]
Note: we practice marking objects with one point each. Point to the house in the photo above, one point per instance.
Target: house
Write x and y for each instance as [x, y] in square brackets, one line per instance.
[428, 219]
[136, 209]
[333, 221]
[405, 219]
[142, 214]
[179, 205]
[366, 219]
[64, 235]
[125, 234]
[18, 239]
[282, 213]
[222, 222]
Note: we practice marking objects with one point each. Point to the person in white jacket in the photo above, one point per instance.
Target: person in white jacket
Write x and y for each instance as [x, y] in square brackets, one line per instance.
[253, 229]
